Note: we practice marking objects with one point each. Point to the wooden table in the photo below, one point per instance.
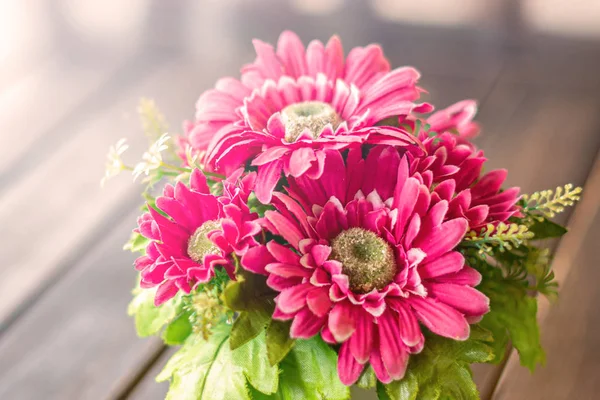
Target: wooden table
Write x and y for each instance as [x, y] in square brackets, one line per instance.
[64, 281]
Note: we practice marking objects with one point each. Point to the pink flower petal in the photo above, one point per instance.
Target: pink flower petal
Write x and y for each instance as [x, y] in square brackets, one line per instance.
[318, 301]
[293, 299]
[410, 332]
[301, 160]
[266, 180]
[393, 351]
[361, 342]
[446, 264]
[440, 318]
[306, 325]
[282, 253]
[320, 254]
[165, 292]
[463, 298]
[466, 276]
[490, 183]
[377, 364]
[443, 238]
[270, 155]
[341, 321]
[290, 51]
[349, 369]
[289, 230]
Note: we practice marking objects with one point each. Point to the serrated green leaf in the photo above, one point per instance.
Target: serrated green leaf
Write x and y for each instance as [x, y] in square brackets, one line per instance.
[250, 296]
[204, 369]
[149, 319]
[247, 326]
[317, 366]
[251, 357]
[308, 372]
[545, 229]
[513, 317]
[136, 243]
[406, 389]
[279, 342]
[178, 331]
[367, 379]
[442, 369]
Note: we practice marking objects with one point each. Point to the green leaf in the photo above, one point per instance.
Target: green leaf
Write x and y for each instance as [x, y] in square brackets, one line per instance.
[367, 379]
[136, 243]
[251, 357]
[204, 369]
[177, 331]
[547, 229]
[442, 368]
[308, 372]
[513, 311]
[316, 366]
[257, 207]
[247, 326]
[390, 121]
[250, 296]
[513, 317]
[279, 342]
[149, 319]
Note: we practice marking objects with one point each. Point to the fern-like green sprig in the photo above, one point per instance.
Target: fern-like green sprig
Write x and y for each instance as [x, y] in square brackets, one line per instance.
[548, 203]
[502, 237]
[153, 121]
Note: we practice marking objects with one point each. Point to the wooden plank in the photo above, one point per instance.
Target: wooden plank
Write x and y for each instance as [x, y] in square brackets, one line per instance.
[148, 388]
[571, 327]
[525, 132]
[62, 96]
[41, 235]
[78, 342]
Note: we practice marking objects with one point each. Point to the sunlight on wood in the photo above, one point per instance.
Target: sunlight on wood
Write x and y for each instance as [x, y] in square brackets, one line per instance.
[564, 18]
[434, 12]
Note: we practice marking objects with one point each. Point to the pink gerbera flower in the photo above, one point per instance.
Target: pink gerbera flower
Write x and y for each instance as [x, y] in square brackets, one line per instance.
[453, 165]
[198, 234]
[370, 257]
[292, 104]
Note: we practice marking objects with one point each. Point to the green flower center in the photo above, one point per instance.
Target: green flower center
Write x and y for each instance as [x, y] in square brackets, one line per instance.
[367, 259]
[199, 244]
[309, 115]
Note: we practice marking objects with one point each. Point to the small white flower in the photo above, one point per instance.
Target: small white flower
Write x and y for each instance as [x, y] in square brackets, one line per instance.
[152, 159]
[114, 164]
[192, 157]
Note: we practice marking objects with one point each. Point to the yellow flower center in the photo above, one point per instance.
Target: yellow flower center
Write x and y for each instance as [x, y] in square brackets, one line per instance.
[309, 115]
[199, 244]
[367, 259]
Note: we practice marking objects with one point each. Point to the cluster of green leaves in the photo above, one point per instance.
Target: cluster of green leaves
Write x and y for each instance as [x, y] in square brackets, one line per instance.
[171, 320]
[210, 369]
[251, 298]
[442, 370]
[513, 307]
[179, 317]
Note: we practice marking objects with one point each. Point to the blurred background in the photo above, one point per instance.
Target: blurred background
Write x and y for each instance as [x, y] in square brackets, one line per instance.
[72, 73]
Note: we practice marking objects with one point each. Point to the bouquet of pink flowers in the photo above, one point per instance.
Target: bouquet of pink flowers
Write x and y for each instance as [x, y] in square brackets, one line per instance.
[319, 230]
